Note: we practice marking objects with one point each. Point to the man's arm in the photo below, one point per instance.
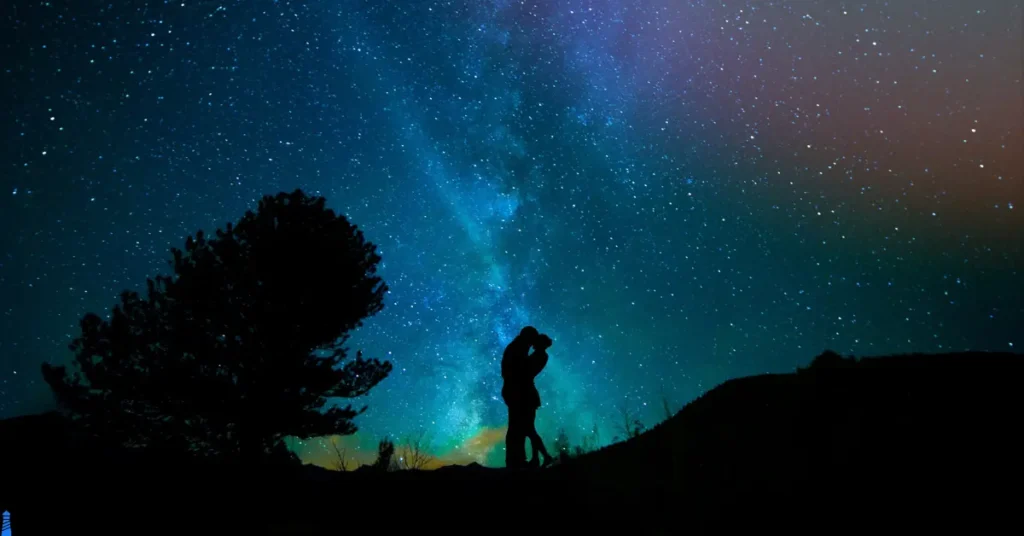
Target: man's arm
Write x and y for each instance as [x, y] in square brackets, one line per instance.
[537, 361]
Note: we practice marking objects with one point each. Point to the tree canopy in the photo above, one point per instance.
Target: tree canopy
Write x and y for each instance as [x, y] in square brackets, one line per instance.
[244, 345]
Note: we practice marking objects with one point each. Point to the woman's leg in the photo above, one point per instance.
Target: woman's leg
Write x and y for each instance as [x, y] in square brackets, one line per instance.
[535, 441]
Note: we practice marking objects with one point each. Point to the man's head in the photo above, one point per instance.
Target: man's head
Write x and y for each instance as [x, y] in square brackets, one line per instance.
[529, 333]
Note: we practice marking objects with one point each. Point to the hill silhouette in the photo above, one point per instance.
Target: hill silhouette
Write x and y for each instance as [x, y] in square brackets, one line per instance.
[885, 438]
[908, 441]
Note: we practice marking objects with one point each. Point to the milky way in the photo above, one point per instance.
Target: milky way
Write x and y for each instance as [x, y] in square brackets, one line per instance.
[679, 193]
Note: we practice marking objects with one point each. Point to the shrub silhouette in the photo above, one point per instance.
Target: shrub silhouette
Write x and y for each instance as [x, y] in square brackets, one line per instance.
[831, 360]
[243, 346]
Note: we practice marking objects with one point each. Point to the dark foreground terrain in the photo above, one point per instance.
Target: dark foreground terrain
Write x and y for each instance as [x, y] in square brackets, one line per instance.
[901, 443]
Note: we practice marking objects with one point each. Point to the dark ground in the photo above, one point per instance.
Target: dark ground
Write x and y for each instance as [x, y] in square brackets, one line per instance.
[902, 443]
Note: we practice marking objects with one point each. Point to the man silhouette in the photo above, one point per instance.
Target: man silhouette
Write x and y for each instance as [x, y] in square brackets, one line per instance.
[514, 392]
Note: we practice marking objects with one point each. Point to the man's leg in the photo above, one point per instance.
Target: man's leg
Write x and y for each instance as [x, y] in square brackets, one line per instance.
[509, 433]
[515, 440]
[520, 448]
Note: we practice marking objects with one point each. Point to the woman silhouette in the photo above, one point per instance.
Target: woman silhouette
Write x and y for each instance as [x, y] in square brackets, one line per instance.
[535, 363]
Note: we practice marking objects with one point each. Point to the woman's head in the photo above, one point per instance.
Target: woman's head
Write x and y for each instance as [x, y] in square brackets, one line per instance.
[542, 342]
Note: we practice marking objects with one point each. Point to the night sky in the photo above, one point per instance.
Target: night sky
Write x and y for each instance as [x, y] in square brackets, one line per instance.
[677, 192]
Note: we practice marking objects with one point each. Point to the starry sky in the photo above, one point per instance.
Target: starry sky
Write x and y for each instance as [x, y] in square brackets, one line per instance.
[678, 192]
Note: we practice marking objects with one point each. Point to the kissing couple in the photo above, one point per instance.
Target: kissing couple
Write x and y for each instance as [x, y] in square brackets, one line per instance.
[518, 369]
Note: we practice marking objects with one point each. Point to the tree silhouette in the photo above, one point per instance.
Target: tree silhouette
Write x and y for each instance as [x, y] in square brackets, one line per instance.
[630, 423]
[591, 442]
[666, 405]
[561, 446]
[413, 453]
[341, 460]
[385, 461]
[243, 346]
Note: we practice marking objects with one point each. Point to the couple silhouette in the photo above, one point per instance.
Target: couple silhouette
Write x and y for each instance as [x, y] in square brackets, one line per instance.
[518, 369]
